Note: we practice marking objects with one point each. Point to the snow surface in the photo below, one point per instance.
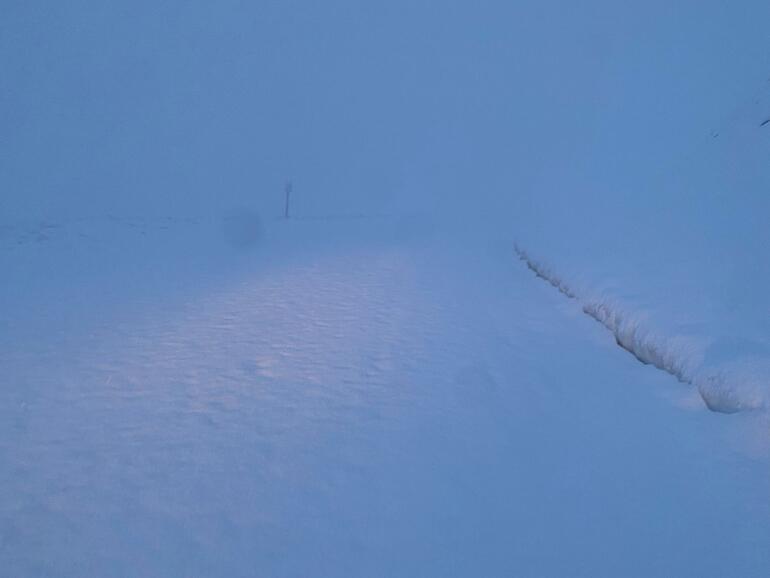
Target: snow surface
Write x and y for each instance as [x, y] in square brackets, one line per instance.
[380, 386]
[348, 397]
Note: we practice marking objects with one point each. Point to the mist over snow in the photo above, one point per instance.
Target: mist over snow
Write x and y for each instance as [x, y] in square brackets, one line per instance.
[406, 377]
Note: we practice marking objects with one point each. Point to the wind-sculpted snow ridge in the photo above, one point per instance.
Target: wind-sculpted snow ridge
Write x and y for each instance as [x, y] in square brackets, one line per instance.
[723, 391]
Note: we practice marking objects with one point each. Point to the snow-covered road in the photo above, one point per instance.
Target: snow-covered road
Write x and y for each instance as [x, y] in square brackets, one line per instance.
[424, 407]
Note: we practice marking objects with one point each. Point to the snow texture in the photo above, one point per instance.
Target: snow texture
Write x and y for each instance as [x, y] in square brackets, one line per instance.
[192, 385]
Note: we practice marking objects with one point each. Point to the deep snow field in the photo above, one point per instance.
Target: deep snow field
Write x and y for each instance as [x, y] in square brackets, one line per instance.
[383, 396]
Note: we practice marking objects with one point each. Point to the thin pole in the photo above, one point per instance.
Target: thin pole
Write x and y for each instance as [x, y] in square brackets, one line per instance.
[288, 194]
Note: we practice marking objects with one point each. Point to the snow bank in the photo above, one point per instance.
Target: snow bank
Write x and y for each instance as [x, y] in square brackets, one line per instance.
[727, 390]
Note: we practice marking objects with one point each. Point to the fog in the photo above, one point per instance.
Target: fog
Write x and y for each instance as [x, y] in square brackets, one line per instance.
[484, 108]
[432, 367]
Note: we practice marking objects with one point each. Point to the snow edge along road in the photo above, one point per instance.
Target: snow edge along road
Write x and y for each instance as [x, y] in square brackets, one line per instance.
[716, 389]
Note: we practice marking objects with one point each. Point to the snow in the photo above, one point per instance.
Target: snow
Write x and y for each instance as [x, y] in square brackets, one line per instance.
[680, 281]
[516, 326]
[354, 401]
